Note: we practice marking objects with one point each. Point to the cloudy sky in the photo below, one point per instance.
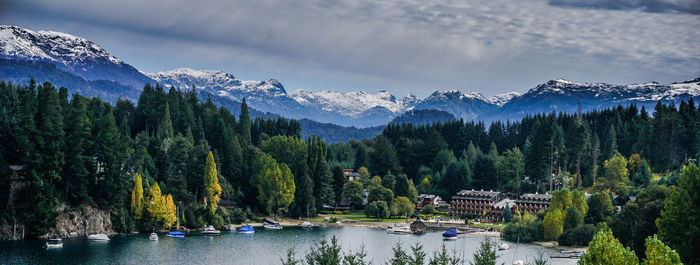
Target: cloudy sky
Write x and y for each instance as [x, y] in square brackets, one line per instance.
[407, 46]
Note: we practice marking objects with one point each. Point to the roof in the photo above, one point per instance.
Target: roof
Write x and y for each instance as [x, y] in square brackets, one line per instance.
[477, 193]
[502, 204]
[535, 197]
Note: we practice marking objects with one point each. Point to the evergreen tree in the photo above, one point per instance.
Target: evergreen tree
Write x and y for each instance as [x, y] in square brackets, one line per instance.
[681, 208]
[609, 145]
[338, 182]
[75, 171]
[384, 158]
[111, 154]
[244, 123]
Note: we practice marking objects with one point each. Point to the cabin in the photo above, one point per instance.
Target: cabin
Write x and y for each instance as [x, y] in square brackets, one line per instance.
[350, 175]
[418, 227]
[428, 199]
[227, 204]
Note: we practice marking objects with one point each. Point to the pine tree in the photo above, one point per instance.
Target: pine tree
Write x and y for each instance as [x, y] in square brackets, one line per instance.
[244, 123]
[165, 129]
[384, 158]
[211, 184]
[111, 155]
[75, 172]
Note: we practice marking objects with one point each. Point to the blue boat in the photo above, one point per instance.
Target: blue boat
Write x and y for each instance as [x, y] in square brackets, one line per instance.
[175, 234]
[246, 230]
[450, 234]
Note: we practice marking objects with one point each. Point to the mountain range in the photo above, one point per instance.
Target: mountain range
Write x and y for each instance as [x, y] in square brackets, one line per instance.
[84, 67]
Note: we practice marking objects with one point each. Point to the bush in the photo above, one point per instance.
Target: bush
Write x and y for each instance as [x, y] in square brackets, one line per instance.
[524, 233]
[428, 209]
[238, 216]
[579, 236]
[218, 221]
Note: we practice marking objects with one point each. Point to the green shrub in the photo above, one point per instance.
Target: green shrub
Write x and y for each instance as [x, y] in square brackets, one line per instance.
[579, 236]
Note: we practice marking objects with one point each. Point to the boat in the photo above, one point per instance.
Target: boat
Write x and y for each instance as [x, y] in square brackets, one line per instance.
[98, 237]
[503, 246]
[398, 229]
[176, 233]
[153, 237]
[518, 262]
[246, 230]
[54, 243]
[275, 226]
[450, 234]
[306, 224]
[210, 231]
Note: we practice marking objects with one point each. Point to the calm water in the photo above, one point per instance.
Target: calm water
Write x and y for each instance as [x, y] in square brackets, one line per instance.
[263, 247]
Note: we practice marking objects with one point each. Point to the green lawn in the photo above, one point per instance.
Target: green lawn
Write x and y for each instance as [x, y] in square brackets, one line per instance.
[360, 216]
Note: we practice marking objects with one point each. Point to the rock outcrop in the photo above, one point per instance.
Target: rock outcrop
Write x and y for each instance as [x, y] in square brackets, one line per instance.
[81, 221]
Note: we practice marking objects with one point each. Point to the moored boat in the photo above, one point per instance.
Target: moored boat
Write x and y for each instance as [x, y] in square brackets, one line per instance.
[248, 229]
[176, 234]
[54, 243]
[398, 229]
[306, 224]
[450, 234]
[275, 226]
[98, 237]
[503, 246]
[210, 231]
[153, 237]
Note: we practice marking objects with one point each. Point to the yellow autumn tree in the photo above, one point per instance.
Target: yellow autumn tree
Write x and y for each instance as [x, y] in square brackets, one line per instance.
[170, 211]
[137, 197]
[156, 204]
[211, 182]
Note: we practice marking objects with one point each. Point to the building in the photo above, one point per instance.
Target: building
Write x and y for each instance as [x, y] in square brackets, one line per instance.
[532, 202]
[476, 204]
[428, 199]
[349, 175]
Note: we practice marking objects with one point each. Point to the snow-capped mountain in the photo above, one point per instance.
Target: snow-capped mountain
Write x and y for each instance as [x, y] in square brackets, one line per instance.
[69, 53]
[86, 68]
[355, 103]
[504, 98]
[466, 106]
[561, 95]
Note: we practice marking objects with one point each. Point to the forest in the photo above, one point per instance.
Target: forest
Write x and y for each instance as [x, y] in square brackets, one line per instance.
[171, 151]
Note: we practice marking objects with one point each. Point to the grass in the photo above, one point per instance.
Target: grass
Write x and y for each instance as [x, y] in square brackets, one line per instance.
[360, 216]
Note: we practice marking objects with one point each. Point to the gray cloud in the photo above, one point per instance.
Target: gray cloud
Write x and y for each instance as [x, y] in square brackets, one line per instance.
[417, 46]
[685, 6]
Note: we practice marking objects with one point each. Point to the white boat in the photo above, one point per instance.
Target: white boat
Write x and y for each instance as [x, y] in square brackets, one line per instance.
[54, 243]
[153, 237]
[518, 262]
[503, 246]
[272, 226]
[306, 224]
[210, 231]
[98, 237]
[398, 229]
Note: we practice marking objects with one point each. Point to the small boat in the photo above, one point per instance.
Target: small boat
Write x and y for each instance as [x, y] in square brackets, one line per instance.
[518, 262]
[176, 234]
[275, 226]
[153, 237]
[210, 231]
[398, 229]
[246, 230]
[503, 246]
[306, 224]
[450, 234]
[54, 243]
[98, 238]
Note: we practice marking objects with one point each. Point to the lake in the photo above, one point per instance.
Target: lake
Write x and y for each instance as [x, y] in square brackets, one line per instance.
[263, 247]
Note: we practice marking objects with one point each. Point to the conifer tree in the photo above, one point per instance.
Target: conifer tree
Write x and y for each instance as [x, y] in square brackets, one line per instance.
[244, 123]
[75, 172]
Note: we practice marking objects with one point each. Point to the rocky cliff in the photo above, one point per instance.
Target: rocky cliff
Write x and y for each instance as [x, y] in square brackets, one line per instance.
[81, 221]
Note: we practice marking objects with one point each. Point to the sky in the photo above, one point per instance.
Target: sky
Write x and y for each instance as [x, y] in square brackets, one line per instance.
[406, 46]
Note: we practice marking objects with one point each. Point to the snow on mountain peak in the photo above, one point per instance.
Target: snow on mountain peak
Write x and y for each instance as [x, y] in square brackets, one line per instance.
[185, 78]
[70, 50]
[504, 98]
[351, 103]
